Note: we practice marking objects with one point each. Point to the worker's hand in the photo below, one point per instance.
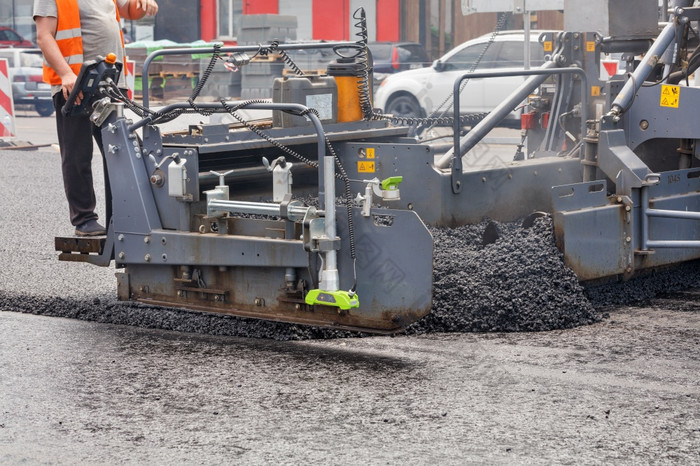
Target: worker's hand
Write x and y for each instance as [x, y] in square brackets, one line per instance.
[149, 6]
[67, 83]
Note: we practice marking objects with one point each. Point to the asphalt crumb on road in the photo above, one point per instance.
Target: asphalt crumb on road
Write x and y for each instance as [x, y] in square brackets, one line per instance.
[489, 277]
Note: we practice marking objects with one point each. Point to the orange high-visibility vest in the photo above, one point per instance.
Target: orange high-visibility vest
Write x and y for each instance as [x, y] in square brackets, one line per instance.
[69, 37]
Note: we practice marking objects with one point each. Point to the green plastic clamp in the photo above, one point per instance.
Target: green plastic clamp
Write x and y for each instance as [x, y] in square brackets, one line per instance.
[391, 183]
[342, 299]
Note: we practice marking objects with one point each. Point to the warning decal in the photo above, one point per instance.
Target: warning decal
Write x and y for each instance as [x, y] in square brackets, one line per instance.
[370, 152]
[670, 96]
[547, 45]
[595, 91]
[590, 46]
[365, 167]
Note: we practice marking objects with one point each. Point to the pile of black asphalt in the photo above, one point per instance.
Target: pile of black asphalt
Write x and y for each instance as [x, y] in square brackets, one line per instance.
[489, 277]
[495, 277]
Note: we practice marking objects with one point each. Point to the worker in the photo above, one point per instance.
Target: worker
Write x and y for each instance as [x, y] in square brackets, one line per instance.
[68, 33]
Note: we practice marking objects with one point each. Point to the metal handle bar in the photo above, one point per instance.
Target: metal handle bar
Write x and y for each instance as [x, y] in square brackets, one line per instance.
[295, 109]
[496, 74]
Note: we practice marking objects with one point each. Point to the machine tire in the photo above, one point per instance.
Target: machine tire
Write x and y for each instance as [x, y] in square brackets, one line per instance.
[44, 109]
[404, 105]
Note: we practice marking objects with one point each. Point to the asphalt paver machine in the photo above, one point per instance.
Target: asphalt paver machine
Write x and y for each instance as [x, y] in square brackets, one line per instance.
[318, 215]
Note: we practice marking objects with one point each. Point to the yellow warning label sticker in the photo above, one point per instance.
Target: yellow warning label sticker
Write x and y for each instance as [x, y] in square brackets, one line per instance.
[590, 46]
[547, 46]
[370, 153]
[365, 167]
[595, 91]
[670, 96]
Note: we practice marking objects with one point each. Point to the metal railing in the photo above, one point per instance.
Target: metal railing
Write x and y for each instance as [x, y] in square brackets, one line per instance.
[228, 49]
[648, 212]
[478, 132]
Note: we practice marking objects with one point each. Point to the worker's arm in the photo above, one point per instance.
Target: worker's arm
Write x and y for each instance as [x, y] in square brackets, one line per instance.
[46, 40]
[149, 7]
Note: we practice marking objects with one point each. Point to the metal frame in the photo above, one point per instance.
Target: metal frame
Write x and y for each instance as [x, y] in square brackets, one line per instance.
[647, 212]
[461, 147]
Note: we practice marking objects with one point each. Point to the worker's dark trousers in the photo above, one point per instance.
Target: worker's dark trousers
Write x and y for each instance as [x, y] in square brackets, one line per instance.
[75, 135]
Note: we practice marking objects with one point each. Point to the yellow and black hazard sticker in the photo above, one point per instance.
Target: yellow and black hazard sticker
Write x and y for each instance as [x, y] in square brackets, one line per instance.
[369, 153]
[365, 167]
[670, 96]
[547, 45]
[590, 46]
[595, 91]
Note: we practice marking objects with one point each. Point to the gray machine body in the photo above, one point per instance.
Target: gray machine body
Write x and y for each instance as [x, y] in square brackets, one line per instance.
[625, 198]
[172, 253]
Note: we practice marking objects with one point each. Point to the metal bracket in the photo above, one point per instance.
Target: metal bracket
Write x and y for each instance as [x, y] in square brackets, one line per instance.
[102, 109]
[690, 12]
[456, 174]
[152, 141]
[314, 228]
[314, 234]
[93, 250]
[325, 244]
[284, 205]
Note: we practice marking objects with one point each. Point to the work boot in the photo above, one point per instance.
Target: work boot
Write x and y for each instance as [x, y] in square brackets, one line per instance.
[90, 228]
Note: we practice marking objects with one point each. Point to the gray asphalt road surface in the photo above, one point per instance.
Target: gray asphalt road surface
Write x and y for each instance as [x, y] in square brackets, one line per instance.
[623, 391]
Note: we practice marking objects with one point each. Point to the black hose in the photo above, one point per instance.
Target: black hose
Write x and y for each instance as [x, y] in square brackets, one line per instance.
[287, 59]
[693, 64]
[363, 55]
[203, 80]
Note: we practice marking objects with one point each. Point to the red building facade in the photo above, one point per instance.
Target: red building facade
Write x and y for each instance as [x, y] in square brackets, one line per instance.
[437, 24]
[329, 19]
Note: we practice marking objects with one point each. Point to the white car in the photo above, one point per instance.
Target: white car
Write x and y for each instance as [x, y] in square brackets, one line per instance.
[28, 88]
[421, 92]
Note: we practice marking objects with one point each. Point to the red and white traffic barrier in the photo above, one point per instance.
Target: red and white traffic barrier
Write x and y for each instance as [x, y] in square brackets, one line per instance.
[130, 78]
[7, 106]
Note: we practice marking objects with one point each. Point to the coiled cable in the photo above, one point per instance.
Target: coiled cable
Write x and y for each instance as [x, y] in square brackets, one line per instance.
[362, 57]
[216, 56]
[286, 58]
[364, 89]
